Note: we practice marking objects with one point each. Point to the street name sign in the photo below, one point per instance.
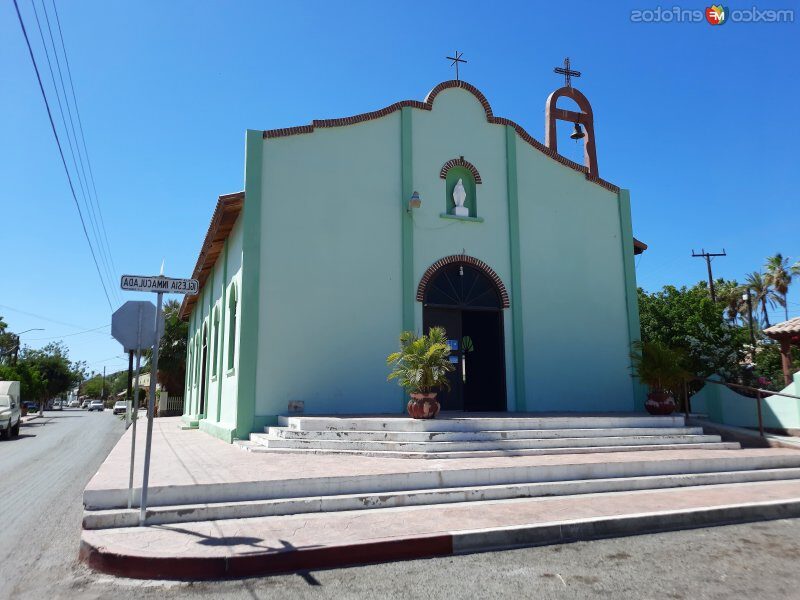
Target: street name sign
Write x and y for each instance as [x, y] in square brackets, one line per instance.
[160, 284]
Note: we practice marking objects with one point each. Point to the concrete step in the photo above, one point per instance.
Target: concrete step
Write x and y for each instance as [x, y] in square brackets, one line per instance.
[264, 545]
[259, 446]
[459, 436]
[103, 519]
[500, 421]
[276, 441]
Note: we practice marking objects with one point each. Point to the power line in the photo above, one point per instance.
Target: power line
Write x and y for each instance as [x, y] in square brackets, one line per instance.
[93, 208]
[61, 152]
[83, 138]
[56, 337]
[35, 316]
[73, 148]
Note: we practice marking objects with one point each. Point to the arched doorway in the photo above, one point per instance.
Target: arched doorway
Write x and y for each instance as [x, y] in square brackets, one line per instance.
[467, 298]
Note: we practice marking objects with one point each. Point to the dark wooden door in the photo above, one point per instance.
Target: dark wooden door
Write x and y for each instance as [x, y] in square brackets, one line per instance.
[450, 319]
[483, 364]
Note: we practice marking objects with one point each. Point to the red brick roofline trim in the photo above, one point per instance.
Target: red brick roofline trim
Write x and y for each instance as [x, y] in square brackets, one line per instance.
[460, 162]
[467, 260]
[428, 105]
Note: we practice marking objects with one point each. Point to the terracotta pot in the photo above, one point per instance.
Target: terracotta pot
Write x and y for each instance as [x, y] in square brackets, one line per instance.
[660, 403]
[423, 406]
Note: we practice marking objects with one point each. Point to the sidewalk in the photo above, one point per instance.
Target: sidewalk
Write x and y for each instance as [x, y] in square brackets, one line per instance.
[190, 467]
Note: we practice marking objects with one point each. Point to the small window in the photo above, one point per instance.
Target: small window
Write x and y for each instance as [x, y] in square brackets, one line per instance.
[233, 305]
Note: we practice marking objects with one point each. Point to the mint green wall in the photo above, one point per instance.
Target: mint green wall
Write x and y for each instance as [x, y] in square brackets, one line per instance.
[723, 405]
[330, 278]
[576, 330]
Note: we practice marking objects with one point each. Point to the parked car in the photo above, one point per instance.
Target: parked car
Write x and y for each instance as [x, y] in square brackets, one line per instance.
[56, 405]
[32, 406]
[96, 405]
[85, 403]
[120, 407]
[10, 412]
[74, 404]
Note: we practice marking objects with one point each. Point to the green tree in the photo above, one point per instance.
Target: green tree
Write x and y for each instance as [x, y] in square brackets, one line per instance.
[172, 350]
[31, 385]
[8, 343]
[93, 387]
[53, 367]
[768, 365]
[779, 276]
[762, 294]
[687, 319]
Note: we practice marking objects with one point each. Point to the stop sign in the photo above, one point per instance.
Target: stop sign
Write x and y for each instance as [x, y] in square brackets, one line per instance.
[134, 325]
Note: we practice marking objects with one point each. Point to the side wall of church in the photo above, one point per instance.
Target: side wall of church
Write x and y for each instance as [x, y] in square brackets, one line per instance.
[329, 287]
[213, 316]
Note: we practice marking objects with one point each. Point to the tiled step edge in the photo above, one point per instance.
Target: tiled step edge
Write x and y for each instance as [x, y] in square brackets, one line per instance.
[256, 447]
[146, 566]
[187, 513]
[272, 441]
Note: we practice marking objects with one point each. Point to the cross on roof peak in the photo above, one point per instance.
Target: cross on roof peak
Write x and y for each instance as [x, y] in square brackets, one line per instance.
[456, 58]
[567, 72]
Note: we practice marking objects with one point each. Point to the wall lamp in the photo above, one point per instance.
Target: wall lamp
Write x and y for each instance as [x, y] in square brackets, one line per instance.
[414, 201]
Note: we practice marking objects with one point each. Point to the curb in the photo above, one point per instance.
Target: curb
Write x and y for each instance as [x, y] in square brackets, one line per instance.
[460, 542]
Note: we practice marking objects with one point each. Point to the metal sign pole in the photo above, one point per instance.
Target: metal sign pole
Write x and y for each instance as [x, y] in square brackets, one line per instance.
[133, 405]
[134, 417]
[150, 410]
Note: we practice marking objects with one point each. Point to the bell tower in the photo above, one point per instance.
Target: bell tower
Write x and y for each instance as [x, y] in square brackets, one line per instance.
[584, 118]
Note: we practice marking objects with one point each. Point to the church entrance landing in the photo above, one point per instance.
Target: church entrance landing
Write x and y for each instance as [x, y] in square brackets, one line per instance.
[463, 300]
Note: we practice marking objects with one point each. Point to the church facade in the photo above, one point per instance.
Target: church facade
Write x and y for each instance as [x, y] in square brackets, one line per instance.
[423, 213]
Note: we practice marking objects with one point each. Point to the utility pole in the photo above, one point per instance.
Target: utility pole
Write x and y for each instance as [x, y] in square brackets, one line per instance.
[708, 256]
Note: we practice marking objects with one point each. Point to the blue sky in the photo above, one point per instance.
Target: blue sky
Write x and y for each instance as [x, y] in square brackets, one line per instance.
[695, 120]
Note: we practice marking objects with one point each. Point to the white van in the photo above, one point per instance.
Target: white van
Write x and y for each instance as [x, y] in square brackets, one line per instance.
[10, 412]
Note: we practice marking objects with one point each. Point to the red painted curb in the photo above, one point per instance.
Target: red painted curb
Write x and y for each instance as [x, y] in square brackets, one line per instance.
[264, 563]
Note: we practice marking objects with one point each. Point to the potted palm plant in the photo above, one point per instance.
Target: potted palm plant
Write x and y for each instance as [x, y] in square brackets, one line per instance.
[661, 369]
[421, 367]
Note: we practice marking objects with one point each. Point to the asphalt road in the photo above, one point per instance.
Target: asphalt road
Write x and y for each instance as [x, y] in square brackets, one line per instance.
[42, 476]
[43, 473]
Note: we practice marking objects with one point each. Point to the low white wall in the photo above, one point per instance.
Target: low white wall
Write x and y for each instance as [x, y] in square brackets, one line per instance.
[723, 405]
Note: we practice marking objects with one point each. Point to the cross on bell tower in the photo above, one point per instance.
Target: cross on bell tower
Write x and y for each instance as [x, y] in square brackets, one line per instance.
[567, 72]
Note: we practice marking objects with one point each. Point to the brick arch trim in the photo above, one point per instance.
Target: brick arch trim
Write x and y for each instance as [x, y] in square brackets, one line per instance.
[467, 260]
[460, 162]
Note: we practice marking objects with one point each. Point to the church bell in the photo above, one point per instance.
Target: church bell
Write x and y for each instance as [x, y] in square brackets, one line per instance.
[577, 134]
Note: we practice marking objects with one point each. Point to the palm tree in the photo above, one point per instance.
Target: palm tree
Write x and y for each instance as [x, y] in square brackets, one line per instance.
[730, 294]
[779, 276]
[762, 294]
